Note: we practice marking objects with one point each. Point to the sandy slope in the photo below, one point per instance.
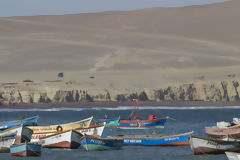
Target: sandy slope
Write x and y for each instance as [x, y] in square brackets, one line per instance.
[124, 51]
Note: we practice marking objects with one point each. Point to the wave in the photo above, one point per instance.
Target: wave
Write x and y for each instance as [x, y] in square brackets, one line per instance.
[40, 109]
[115, 108]
[173, 108]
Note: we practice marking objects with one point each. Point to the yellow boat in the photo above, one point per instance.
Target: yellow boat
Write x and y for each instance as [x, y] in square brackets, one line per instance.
[61, 127]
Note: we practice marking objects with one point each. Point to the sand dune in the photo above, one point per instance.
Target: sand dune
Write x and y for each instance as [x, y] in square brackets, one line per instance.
[132, 50]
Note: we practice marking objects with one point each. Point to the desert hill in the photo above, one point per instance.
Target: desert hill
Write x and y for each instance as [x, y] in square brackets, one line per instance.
[126, 51]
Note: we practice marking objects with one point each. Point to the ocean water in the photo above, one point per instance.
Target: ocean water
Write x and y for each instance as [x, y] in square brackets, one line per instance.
[181, 120]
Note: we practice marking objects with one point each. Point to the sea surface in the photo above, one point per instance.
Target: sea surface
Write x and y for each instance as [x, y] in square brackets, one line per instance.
[183, 119]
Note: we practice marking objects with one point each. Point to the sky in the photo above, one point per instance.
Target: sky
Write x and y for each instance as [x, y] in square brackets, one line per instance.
[10, 8]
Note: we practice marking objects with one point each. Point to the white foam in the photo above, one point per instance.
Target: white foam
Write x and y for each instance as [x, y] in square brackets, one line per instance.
[117, 108]
[39, 109]
[169, 108]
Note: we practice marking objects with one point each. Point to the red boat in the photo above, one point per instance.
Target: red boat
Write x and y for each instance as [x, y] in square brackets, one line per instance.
[138, 123]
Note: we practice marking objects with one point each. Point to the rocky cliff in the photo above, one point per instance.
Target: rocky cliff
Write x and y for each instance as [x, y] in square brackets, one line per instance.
[216, 91]
[67, 92]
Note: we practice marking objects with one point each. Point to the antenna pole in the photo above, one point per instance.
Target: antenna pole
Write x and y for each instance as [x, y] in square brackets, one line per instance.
[137, 110]
[137, 107]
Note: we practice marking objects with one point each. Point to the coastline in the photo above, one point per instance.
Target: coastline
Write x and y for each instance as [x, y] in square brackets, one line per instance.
[113, 104]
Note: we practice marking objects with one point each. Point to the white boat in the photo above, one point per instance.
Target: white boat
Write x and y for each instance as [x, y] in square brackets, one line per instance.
[43, 131]
[96, 130]
[15, 135]
[6, 141]
[212, 146]
[233, 155]
[67, 139]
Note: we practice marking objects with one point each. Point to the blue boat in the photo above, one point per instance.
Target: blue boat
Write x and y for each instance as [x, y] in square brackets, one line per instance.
[155, 139]
[91, 143]
[32, 121]
[26, 149]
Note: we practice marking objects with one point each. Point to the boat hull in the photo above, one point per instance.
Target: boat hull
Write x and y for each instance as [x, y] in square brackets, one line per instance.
[220, 133]
[212, 146]
[142, 124]
[43, 131]
[233, 155]
[172, 140]
[90, 143]
[93, 130]
[14, 135]
[67, 139]
[111, 123]
[5, 144]
[155, 139]
[25, 150]
[32, 121]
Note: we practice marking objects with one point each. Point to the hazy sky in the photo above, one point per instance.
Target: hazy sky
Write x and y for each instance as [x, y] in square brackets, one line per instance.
[52, 7]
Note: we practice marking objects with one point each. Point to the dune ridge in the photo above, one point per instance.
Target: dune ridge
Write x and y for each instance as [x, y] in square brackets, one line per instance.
[125, 51]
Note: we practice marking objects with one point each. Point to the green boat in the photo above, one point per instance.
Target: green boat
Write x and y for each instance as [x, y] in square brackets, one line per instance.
[110, 123]
[91, 143]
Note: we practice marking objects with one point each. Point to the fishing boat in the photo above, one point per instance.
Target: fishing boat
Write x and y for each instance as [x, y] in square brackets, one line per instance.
[91, 143]
[6, 141]
[26, 149]
[69, 139]
[236, 121]
[110, 123]
[94, 130]
[212, 146]
[32, 121]
[14, 135]
[142, 124]
[138, 123]
[223, 131]
[43, 131]
[233, 155]
[155, 139]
